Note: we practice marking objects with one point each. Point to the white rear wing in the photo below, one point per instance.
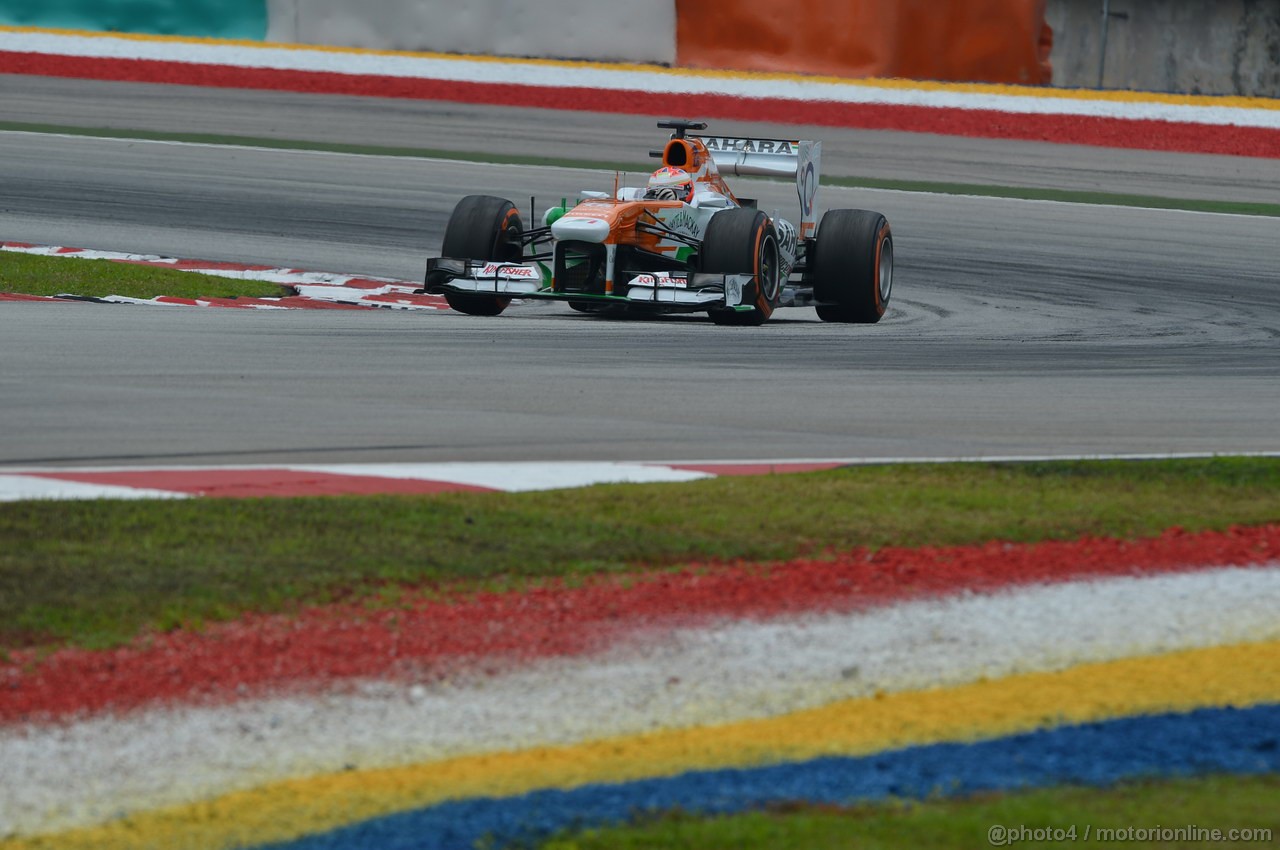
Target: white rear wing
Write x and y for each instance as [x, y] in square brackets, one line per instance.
[774, 158]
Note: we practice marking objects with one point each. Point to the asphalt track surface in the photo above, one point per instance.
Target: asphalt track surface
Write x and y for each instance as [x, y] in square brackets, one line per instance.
[621, 138]
[1016, 327]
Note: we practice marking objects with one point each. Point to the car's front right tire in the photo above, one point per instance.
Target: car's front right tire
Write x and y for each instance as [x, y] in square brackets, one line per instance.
[482, 227]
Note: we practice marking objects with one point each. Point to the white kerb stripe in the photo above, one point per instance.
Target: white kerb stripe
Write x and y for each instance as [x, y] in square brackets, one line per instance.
[14, 488]
[518, 477]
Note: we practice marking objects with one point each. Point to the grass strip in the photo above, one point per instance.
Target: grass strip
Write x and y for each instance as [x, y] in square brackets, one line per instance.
[1072, 816]
[100, 572]
[1066, 196]
[931, 187]
[35, 274]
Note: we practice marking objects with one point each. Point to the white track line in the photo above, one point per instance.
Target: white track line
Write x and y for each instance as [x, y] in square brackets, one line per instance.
[518, 477]
[15, 488]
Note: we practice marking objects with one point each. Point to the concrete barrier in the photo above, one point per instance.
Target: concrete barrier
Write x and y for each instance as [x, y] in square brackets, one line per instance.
[995, 41]
[1228, 47]
[605, 30]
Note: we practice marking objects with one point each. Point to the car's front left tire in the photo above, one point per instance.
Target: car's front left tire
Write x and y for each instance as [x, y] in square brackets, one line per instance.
[852, 266]
[743, 241]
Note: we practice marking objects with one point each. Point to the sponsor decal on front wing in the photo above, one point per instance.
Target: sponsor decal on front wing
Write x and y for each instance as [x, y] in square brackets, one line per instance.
[508, 272]
[660, 279]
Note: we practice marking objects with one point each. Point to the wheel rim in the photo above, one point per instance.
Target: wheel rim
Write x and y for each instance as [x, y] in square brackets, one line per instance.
[769, 268]
[507, 247]
[886, 269]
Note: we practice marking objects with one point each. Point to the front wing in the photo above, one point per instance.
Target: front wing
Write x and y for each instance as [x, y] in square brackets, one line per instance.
[694, 291]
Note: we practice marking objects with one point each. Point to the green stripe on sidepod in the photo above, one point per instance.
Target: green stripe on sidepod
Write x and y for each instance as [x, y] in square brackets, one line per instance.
[238, 19]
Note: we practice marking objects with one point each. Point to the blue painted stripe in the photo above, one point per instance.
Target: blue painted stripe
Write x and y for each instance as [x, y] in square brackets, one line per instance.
[1207, 741]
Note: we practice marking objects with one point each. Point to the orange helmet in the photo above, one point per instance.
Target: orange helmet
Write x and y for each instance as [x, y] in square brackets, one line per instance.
[670, 184]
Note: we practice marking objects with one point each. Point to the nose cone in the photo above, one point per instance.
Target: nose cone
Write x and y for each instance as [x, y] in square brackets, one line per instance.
[582, 229]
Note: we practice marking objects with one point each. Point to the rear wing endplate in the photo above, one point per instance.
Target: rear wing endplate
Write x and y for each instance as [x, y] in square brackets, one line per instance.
[774, 158]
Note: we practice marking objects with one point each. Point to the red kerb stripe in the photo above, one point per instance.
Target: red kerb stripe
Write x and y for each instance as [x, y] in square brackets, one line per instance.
[18, 296]
[1065, 129]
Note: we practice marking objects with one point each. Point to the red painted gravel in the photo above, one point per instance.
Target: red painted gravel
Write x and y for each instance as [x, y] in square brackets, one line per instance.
[491, 631]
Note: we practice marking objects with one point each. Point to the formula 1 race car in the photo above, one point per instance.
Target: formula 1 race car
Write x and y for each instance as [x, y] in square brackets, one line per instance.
[684, 243]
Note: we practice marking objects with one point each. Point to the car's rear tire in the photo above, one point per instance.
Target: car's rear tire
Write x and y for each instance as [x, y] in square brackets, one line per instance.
[743, 241]
[852, 266]
[482, 227]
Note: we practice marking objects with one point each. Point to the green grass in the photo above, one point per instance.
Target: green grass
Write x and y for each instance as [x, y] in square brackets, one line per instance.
[1217, 802]
[32, 274]
[97, 573]
[1068, 196]
[857, 182]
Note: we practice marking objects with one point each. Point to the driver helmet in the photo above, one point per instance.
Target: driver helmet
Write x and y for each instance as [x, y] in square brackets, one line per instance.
[670, 184]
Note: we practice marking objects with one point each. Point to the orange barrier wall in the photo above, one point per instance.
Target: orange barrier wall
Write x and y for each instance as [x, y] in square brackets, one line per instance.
[999, 41]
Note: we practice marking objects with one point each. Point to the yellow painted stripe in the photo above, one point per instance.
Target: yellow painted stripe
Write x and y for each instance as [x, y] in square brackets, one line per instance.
[867, 82]
[1239, 675]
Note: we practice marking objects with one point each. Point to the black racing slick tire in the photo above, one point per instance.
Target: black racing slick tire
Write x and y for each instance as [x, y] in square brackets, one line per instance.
[852, 266]
[482, 227]
[743, 241]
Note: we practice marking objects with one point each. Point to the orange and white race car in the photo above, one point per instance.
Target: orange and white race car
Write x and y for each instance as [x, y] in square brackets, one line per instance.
[682, 243]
